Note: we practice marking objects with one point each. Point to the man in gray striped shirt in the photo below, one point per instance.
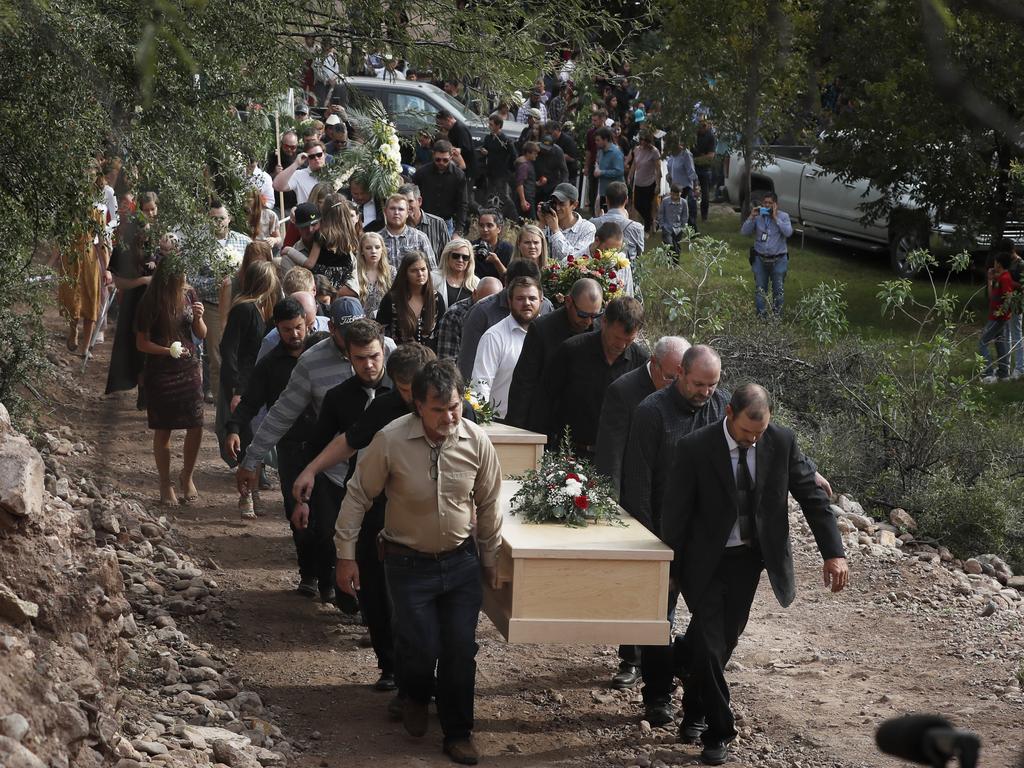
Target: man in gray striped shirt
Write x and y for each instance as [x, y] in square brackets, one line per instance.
[434, 227]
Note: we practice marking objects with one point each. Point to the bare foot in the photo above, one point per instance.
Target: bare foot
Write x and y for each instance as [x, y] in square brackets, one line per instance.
[168, 497]
[189, 494]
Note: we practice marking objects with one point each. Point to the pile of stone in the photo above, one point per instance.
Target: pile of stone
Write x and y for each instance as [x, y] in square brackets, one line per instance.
[95, 669]
[987, 577]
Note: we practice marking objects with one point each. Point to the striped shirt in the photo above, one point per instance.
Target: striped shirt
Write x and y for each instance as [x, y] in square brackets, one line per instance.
[320, 368]
[409, 239]
[436, 230]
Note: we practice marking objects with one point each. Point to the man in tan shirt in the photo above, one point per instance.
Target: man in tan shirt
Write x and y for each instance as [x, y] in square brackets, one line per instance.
[436, 470]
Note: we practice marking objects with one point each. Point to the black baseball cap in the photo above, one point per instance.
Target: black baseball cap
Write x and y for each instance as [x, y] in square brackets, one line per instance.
[305, 215]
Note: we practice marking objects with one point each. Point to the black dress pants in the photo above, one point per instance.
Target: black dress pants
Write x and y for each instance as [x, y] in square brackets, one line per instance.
[324, 505]
[660, 663]
[719, 617]
[373, 592]
[289, 465]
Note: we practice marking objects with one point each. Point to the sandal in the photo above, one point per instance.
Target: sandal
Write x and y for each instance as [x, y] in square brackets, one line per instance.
[189, 496]
[245, 507]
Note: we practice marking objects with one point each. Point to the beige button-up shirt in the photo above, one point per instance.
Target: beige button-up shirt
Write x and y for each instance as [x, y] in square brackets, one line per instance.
[426, 511]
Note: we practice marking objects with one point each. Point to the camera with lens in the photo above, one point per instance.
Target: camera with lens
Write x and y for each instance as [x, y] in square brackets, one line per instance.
[480, 252]
[547, 207]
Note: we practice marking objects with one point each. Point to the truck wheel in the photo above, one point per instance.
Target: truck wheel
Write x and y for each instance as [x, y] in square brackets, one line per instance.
[903, 239]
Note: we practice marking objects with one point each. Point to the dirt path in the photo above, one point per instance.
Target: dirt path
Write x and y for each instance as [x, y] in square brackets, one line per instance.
[811, 682]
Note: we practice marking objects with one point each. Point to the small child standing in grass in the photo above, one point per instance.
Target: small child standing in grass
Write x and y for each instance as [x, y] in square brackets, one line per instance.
[1000, 286]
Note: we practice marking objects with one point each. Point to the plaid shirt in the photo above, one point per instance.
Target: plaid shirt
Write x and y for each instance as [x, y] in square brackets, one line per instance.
[449, 329]
[206, 283]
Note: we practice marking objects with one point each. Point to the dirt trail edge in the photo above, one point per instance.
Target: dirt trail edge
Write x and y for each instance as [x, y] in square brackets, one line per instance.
[811, 683]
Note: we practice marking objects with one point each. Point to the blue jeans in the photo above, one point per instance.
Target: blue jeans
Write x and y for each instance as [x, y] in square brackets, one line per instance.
[1016, 348]
[775, 273]
[436, 608]
[995, 331]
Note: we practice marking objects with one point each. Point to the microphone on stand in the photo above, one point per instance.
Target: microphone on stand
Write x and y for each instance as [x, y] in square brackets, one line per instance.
[928, 740]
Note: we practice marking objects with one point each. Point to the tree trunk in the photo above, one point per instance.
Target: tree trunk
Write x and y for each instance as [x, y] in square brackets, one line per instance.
[751, 106]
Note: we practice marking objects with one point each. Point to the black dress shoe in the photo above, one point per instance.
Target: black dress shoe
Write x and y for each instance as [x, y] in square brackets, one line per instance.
[386, 682]
[715, 753]
[690, 731]
[307, 587]
[659, 714]
[627, 676]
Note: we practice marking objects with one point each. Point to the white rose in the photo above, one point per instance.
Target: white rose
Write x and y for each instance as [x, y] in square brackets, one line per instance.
[176, 350]
[573, 487]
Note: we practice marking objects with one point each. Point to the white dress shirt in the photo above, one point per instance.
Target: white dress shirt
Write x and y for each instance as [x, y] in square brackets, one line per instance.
[496, 359]
[734, 457]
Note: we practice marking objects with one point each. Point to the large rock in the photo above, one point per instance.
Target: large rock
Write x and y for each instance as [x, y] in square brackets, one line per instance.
[21, 476]
[13, 755]
[15, 610]
[902, 519]
[232, 755]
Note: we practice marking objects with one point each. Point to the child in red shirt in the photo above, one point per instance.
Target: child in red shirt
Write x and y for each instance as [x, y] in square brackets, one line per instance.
[1000, 286]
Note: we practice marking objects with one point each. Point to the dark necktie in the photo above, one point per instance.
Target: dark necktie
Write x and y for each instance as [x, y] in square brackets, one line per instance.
[745, 498]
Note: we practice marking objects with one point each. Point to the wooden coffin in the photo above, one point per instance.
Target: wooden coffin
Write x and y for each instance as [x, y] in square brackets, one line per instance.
[518, 449]
[600, 584]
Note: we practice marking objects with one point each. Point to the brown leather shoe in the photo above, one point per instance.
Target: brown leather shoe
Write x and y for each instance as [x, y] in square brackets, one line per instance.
[414, 717]
[462, 751]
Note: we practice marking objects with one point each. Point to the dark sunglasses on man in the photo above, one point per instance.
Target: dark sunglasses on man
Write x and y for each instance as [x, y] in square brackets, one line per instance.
[589, 315]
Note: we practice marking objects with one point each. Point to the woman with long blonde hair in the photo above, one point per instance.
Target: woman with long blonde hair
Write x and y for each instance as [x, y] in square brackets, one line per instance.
[532, 246]
[455, 278]
[373, 271]
[250, 313]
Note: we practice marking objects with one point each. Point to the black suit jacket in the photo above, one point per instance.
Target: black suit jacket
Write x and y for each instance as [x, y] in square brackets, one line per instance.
[527, 406]
[699, 508]
[621, 399]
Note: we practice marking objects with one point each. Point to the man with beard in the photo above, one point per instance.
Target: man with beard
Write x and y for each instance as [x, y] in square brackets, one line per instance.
[269, 379]
[499, 348]
[278, 161]
[343, 405]
[430, 225]
[307, 220]
[582, 306]
[440, 473]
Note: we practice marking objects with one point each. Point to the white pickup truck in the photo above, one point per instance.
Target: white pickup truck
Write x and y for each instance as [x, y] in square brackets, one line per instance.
[820, 204]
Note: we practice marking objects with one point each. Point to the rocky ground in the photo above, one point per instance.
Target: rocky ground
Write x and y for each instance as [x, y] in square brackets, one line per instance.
[135, 635]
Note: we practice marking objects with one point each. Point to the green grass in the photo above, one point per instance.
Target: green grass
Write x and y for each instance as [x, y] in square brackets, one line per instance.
[861, 272]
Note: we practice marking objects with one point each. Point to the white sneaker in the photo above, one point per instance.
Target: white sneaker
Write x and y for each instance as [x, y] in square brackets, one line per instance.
[990, 379]
[1016, 375]
[100, 338]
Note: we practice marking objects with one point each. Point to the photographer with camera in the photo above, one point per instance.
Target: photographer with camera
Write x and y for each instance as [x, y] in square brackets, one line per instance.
[490, 253]
[568, 233]
[769, 257]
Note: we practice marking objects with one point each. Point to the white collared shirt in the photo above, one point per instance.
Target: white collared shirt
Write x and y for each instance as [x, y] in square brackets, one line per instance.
[496, 359]
[734, 458]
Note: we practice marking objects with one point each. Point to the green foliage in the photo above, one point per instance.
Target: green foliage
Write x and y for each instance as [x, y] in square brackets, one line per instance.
[823, 312]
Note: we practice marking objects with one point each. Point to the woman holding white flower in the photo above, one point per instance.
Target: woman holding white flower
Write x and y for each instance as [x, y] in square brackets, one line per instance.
[168, 321]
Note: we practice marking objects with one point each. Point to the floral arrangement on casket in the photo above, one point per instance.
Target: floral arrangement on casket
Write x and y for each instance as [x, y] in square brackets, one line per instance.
[483, 409]
[565, 489]
[603, 266]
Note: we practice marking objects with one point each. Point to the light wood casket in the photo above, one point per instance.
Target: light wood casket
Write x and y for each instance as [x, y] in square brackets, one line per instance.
[601, 584]
[518, 449]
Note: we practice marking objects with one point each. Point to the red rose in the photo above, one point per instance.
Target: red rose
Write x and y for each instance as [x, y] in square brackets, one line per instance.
[581, 502]
[613, 288]
[600, 271]
[572, 476]
[570, 259]
[611, 274]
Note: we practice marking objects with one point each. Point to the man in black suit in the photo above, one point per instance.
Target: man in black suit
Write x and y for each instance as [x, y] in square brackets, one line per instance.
[547, 332]
[725, 515]
[621, 399]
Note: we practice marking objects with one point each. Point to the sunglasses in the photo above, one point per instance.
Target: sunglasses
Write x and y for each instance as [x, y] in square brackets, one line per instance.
[459, 256]
[315, 154]
[589, 315]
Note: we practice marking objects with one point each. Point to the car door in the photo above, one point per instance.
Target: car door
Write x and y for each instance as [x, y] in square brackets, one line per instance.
[833, 205]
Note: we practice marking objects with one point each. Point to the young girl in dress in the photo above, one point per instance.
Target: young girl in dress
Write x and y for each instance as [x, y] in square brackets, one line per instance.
[333, 251]
[373, 270]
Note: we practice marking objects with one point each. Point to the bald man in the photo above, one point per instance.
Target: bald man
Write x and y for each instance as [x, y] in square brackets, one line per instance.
[314, 322]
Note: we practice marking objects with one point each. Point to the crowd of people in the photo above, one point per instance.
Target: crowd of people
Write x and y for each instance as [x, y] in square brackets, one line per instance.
[340, 345]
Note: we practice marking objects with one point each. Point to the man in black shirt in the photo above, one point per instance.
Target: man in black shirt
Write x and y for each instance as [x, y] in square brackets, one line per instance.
[460, 139]
[526, 408]
[584, 366]
[499, 162]
[443, 187]
[569, 149]
[269, 379]
[703, 161]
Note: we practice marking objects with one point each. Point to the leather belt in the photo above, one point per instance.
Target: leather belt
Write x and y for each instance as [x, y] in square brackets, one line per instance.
[390, 548]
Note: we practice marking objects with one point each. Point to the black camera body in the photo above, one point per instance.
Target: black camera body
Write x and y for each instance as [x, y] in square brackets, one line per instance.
[548, 206]
[480, 252]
